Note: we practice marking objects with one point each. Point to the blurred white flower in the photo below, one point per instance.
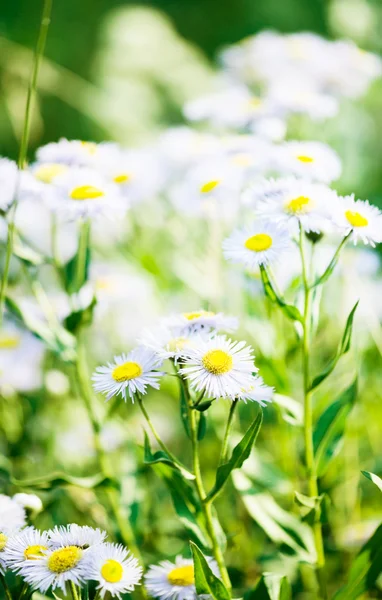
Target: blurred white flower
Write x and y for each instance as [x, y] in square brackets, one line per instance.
[21, 356]
[310, 160]
[30, 502]
[8, 182]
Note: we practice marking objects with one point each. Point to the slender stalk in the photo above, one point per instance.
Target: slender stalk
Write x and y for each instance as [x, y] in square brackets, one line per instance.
[206, 506]
[333, 262]
[83, 242]
[24, 591]
[308, 416]
[8, 595]
[73, 591]
[224, 450]
[153, 430]
[40, 47]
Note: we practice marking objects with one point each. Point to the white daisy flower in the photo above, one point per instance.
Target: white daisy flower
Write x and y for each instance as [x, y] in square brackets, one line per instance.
[114, 568]
[290, 201]
[81, 536]
[258, 391]
[295, 94]
[47, 173]
[220, 367]
[174, 581]
[165, 343]
[264, 242]
[8, 182]
[310, 160]
[55, 568]
[130, 373]
[18, 346]
[74, 153]
[12, 515]
[206, 321]
[362, 219]
[84, 193]
[29, 502]
[24, 546]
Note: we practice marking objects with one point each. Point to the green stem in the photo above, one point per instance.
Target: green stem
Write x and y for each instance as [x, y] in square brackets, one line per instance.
[206, 506]
[6, 588]
[308, 417]
[224, 450]
[333, 262]
[40, 47]
[153, 430]
[24, 591]
[73, 590]
[83, 242]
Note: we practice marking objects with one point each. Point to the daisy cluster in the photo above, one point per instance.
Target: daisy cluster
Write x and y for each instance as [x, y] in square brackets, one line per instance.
[76, 555]
[212, 364]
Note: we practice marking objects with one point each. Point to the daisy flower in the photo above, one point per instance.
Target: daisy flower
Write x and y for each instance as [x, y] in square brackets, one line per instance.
[219, 366]
[188, 323]
[362, 219]
[165, 343]
[12, 515]
[290, 201]
[55, 568]
[264, 242]
[258, 391]
[130, 373]
[74, 153]
[83, 193]
[48, 172]
[311, 160]
[81, 536]
[114, 568]
[174, 581]
[8, 182]
[25, 546]
[18, 346]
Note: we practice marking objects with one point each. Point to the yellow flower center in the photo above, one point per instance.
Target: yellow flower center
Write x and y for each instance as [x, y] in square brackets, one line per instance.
[34, 552]
[3, 541]
[217, 362]
[182, 576]
[305, 159]
[64, 559]
[355, 219]
[255, 102]
[9, 342]
[259, 242]
[90, 147]
[177, 344]
[299, 204]
[127, 371]
[112, 571]
[122, 178]
[48, 172]
[242, 160]
[86, 192]
[190, 316]
[209, 186]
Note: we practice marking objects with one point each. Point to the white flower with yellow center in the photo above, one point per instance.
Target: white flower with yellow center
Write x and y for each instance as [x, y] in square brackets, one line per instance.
[258, 392]
[174, 581]
[54, 568]
[362, 219]
[166, 343]
[310, 160]
[73, 153]
[18, 346]
[25, 546]
[84, 193]
[219, 367]
[129, 374]
[264, 242]
[8, 182]
[81, 536]
[47, 173]
[198, 321]
[114, 568]
[292, 201]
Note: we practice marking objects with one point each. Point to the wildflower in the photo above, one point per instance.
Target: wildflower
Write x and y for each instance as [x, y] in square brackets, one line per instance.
[220, 367]
[258, 391]
[264, 242]
[174, 581]
[81, 536]
[358, 217]
[130, 373]
[55, 568]
[114, 568]
[25, 546]
[21, 347]
[198, 321]
[73, 153]
[30, 502]
[166, 343]
[310, 160]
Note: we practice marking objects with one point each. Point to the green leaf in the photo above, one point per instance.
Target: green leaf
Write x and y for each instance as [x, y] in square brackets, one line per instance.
[271, 586]
[291, 410]
[162, 457]
[289, 310]
[80, 318]
[55, 337]
[330, 428]
[240, 453]
[282, 527]
[343, 348]
[203, 406]
[202, 427]
[365, 569]
[206, 581]
[310, 507]
[73, 283]
[184, 409]
[27, 254]
[374, 478]
[58, 479]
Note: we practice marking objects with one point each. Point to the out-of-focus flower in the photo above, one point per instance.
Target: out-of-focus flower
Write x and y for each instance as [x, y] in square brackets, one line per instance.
[8, 182]
[30, 502]
[21, 356]
[188, 323]
[74, 153]
[311, 160]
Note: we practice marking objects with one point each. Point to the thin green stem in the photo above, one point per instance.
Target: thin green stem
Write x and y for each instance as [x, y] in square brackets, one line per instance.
[24, 591]
[224, 450]
[40, 47]
[73, 590]
[6, 588]
[153, 430]
[83, 242]
[206, 506]
[308, 416]
[322, 278]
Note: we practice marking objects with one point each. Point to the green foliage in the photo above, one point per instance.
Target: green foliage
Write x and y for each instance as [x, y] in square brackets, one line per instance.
[206, 581]
[289, 310]
[374, 478]
[161, 457]
[270, 587]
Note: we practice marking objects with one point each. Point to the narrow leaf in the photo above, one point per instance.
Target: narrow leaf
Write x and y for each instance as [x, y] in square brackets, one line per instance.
[240, 453]
[271, 586]
[289, 310]
[374, 478]
[343, 348]
[58, 479]
[206, 581]
[162, 457]
[310, 506]
[80, 318]
[184, 410]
